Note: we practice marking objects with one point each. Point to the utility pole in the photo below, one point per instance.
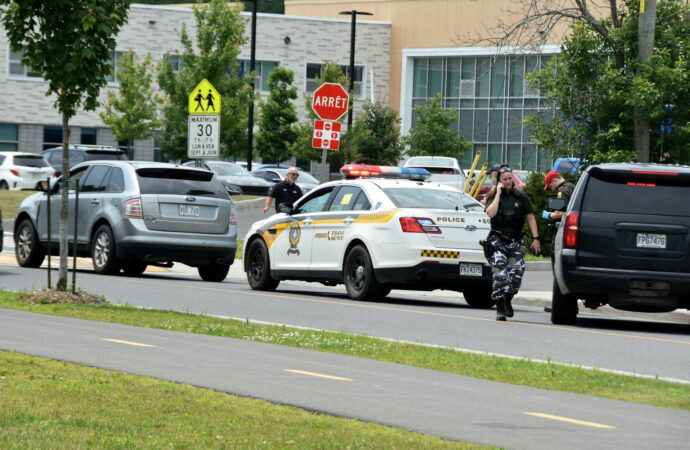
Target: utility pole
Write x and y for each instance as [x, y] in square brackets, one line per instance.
[645, 39]
[250, 116]
[354, 14]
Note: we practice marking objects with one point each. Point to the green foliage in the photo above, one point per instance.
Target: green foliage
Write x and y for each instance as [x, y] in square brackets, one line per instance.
[133, 114]
[596, 86]
[220, 32]
[432, 134]
[277, 134]
[375, 136]
[68, 43]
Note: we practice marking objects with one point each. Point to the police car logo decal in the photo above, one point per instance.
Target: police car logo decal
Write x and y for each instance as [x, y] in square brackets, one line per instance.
[295, 234]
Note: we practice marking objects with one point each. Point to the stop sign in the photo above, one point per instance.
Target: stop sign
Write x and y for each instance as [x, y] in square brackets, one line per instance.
[330, 101]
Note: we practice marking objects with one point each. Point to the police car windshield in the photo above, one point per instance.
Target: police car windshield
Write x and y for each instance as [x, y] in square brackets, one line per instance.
[432, 199]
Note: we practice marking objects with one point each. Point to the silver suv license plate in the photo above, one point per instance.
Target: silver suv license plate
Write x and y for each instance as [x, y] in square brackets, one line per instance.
[189, 210]
[472, 270]
[650, 240]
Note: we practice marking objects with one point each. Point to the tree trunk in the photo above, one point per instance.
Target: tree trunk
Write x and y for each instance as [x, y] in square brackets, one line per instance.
[64, 191]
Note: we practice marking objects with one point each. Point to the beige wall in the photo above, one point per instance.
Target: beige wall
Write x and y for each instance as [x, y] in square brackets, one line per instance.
[415, 24]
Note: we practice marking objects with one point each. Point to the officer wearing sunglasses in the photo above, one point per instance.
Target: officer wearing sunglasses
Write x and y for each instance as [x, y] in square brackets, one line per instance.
[287, 191]
[508, 208]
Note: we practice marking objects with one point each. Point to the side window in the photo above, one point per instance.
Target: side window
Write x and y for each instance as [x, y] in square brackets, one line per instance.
[117, 181]
[315, 202]
[76, 176]
[95, 180]
[76, 157]
[2, 159]
[344, 199]
[268, 176]
[362, 203]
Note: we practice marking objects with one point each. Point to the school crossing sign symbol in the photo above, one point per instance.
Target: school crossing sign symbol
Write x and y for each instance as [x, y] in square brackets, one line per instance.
[204, 121]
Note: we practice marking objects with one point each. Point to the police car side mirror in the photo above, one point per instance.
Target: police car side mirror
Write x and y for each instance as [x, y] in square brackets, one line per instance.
[557, 204]
[285, 208]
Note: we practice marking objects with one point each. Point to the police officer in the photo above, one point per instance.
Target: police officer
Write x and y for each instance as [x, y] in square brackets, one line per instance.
[286, 191]
[555, 182]
[508, 209]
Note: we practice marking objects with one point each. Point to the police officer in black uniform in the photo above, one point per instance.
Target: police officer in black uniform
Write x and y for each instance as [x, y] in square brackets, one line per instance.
[286, 191]
[563, 189]
[508, 209]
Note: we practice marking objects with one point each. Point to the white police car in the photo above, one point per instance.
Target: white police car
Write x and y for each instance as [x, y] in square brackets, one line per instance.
[375, 234]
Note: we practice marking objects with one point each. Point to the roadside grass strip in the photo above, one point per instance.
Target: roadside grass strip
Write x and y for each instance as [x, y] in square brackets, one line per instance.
[523, 372]
[52, 404]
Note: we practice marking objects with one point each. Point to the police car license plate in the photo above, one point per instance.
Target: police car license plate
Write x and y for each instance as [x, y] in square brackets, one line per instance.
[189, 210]
[472, 270]
[650, 240]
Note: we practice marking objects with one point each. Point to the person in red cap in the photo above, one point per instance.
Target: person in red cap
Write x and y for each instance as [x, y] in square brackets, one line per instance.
[563, 189]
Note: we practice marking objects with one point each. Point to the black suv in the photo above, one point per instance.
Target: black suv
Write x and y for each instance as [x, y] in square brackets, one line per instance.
[624, 241]
[81, 153]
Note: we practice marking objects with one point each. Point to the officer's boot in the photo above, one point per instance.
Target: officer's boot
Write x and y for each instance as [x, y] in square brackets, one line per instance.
[509, 306]
[500, 309]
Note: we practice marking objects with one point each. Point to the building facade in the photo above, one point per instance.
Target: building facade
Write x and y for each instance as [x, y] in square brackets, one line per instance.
[437, 47]
[30, 123]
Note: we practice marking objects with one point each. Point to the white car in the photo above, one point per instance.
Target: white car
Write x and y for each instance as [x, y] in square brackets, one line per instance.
[373, 235]
[24, 170]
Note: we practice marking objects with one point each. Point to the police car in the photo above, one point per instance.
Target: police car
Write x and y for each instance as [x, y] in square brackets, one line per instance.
[380, 228]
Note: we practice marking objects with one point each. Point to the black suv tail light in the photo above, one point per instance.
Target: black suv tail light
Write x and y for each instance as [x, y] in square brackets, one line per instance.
[570, 232]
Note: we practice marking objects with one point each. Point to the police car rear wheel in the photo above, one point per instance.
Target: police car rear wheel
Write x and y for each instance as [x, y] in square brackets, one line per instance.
[259, 267]
[360, 282]
[479, 297]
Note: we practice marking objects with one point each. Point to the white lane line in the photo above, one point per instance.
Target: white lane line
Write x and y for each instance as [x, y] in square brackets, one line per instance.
[137, 344]
[320, 375]
[569, 420]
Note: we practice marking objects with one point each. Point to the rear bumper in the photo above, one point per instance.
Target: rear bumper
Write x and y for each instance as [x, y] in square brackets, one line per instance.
[429, 276]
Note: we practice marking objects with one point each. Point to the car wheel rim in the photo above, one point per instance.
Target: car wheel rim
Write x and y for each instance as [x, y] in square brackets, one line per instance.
[257, 267]
[357, 274]
[24, 243]
[102, 250]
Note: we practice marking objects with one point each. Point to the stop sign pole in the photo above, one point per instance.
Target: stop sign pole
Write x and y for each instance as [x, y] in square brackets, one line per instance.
[330, 102]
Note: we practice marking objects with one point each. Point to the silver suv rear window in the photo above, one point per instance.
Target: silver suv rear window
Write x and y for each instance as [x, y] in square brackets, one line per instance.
[180, 182]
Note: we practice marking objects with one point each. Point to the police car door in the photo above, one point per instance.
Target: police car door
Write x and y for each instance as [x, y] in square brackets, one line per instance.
[291, 251]
[332, 230]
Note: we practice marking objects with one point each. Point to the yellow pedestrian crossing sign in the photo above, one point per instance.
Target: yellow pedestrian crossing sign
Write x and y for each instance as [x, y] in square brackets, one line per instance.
[204, 99]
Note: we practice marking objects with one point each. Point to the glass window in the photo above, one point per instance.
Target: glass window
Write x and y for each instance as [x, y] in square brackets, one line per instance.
[483, 77]
[30, 161]
[344, 200]
[113, 63]
[262, 69]
[76, 176]
[435, 76]
[452, 78]
[88, 136]
[17, 68]
[117, 181]
[314, 71]
[180, 182]
[315, 202]
[468, 67]
[466, 118]
[420, 77]
[362, 203]
[95, 180]
[517, 74]
[52, 137]
[529, 157]
[498, 77]
[174, 60]
[431, 199]
[513, 153]
[514, 125]
[481, 122]
[496, 125]
[9, 137]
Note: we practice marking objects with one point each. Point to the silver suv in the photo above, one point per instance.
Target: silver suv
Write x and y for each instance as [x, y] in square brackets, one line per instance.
[132, 214]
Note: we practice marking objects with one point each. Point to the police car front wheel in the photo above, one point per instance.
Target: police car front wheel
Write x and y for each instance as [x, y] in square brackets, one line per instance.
[360, 281]
[259, 267]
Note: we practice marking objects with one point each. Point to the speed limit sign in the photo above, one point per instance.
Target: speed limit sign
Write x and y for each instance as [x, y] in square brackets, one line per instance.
[204, 136]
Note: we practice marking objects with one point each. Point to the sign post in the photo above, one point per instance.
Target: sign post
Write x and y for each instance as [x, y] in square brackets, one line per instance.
[330, 102]
[203, 130]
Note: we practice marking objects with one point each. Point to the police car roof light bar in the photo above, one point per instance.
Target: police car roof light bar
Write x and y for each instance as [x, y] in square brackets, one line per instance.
[351, 171]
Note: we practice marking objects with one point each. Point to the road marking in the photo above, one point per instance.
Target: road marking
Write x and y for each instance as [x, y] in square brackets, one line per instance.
[128, 343]
[569, 420]
[353, 304]
[320, 375]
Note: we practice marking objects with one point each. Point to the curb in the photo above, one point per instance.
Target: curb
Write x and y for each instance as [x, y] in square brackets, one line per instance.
[249, 204]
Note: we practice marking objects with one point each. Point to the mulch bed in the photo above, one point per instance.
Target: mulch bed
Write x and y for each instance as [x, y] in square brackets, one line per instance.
[51, 296]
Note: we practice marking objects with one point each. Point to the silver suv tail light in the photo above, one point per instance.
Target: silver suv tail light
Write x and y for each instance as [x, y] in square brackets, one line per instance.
[132, 209]
[233, 215]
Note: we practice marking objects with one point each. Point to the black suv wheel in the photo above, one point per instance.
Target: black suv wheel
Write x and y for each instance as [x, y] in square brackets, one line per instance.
[563, 307]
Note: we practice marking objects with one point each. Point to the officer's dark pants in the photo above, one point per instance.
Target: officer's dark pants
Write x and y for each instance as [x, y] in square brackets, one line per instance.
[507, 265]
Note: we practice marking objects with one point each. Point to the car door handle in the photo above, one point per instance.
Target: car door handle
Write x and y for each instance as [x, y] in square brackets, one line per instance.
[308, 221]
[348, 220]
[95, 201]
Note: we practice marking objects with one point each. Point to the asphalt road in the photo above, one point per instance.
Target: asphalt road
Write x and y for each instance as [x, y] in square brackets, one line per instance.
[421, 400]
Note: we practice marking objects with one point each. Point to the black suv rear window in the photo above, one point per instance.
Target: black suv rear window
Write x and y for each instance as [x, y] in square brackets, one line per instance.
[30, 161]
[180, 182]
[661, 195]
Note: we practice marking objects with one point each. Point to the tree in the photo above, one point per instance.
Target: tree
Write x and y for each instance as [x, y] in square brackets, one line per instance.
[70, 44]
[432, 134]
[609, 31]
[595, 99]
[133, 114]
[220, 32]
[278, 117]
[376, 135]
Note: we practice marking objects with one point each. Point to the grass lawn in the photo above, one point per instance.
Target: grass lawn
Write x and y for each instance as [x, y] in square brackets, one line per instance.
[51, 404]
[10, 201]
[506, 370]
